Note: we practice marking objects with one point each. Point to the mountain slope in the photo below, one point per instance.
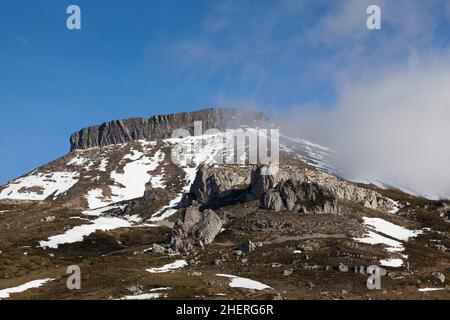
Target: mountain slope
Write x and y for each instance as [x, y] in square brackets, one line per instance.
[132, 217]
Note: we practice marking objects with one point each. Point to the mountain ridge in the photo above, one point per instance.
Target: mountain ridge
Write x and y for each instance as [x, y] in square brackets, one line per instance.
[161, 126]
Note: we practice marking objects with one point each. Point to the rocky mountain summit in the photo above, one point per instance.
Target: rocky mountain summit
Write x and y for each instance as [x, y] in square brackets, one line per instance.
[137, 223]
[162, 126]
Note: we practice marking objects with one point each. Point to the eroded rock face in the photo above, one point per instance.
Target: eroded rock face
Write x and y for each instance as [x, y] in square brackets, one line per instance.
[219, 185]
[162, 126]
[195, 228]
[218, 182]
[301, 197]
[290, 188]
[316, 191]
[271, 200]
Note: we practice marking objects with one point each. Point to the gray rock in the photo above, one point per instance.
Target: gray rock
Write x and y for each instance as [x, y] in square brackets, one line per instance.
[288, 272]
[304, 247]
[272, 201]
[261, 182]
[191, 217]
[439, 276]
[162, 126]
[312, 191]
[154, 194]
[48, 219]
[220, 184]
[208, 227]
[293, 195]
[156, 248]
[196, 227]
[135, 289]
[342, 268]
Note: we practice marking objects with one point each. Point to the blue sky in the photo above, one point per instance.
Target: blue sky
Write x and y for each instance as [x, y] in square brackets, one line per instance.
[141, 57]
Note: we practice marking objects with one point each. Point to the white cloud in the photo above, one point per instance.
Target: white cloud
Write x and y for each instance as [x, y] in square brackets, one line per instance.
[392, 126]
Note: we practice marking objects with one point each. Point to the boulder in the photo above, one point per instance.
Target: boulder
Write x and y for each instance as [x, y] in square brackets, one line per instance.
[342, 268]
[154, 194]
[300, 197]
[195, 228]
[272, 201]
[261, 181]
[156, 248]
[208, 227]
[314, 191]
[218, 185]
[439, 276]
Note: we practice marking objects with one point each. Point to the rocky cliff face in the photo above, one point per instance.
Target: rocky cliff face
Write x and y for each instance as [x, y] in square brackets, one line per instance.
[291, 188]
[162, 126]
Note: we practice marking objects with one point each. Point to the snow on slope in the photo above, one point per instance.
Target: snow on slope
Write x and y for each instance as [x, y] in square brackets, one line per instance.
[197, 150]
[5, 293]
[390, 229]
[378, 233]
[394, 263]
[131, 183]
[169, 267]
[153, 294]
[239, 282]
[78, 233]
[374, 238]
[313, 154]
[39, 186]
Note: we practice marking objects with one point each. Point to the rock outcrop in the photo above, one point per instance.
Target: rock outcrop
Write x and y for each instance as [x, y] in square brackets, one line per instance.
[162, 126]
[290, 188]
[154, 194]
[301, 197]
[215, 186]
[299, 190]
[195, 228]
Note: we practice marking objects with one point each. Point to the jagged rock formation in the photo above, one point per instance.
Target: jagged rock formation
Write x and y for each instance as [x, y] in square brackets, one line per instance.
[290, 188]
[217, 185]
[300, 197]
[162, 126]
[195, 228]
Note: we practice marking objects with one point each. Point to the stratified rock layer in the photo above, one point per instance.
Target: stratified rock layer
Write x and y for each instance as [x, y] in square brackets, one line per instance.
[162, 126]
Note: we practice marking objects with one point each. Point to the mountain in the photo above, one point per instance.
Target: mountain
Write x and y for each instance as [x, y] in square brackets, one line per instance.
[141, 223]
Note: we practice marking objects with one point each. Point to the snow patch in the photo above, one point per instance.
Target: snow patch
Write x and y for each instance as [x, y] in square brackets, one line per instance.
[39, 186]
[390, 229]
[131, 183]
[103, 165]
[78, 233]
[239, 282]
[5, 293]
[379, 226]
[394, 263]
[374, 238]
[431, 289]
[169, 267]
